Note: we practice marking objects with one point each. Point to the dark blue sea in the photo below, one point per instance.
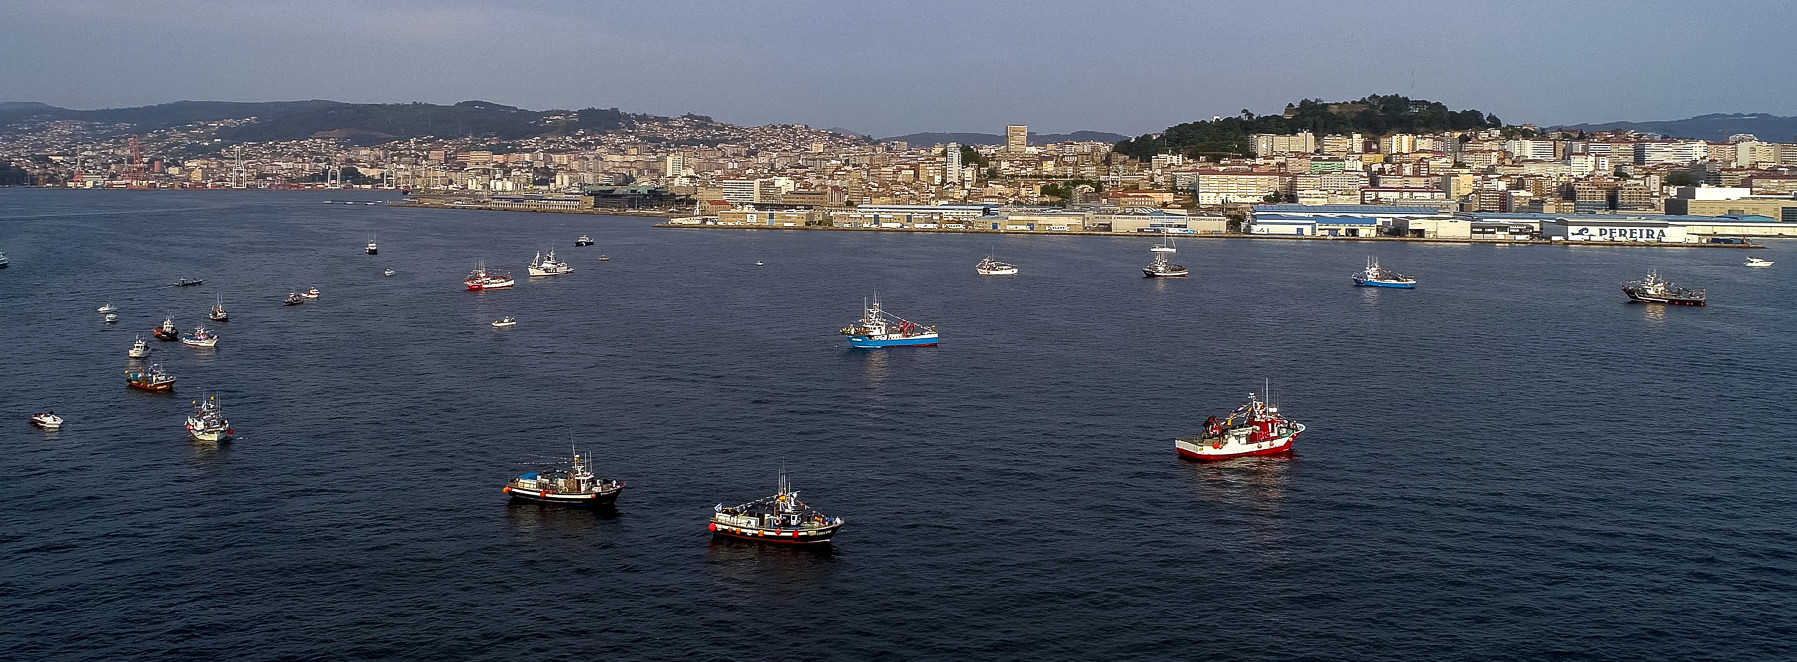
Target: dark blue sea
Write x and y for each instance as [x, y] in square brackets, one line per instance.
[1509, 462]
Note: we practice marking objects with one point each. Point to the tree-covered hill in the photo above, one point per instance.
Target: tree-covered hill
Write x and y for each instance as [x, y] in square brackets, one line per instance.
[1373, 115]
[358, 122]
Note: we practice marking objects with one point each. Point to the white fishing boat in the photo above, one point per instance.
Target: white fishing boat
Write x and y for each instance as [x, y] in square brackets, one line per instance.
[108, 308]
[1756, 262]
[110, 318]
[47, 420]
[372, 248]
[583, 240]
[218, 313]
[200, 338]
[547, 265]
[208, 422]
[504, 322]
[139, 349]
[991, 267]
[311, 293]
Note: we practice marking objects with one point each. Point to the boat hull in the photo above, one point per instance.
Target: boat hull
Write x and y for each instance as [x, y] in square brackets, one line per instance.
[997, 272]
[489, 286]
[864, 342]
[1150, 273]
[1393, 284]
[50, 424]
[165, 335]
[583, 500]
[1210, 450]
[200, 433]
[1637, 297]
[152, 386]
[540, 273]
[199, 343]
[777, 536]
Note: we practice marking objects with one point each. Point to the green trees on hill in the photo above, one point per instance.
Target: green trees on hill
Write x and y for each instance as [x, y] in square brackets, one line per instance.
[1373, 115]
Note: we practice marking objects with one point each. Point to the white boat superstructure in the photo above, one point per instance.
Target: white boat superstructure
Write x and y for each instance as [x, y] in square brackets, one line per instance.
[108, 308]
[547, 265]
[139, 349]
[504, 322]
[1756, 262]
[208, 422]
[47, 420]
[991, 267]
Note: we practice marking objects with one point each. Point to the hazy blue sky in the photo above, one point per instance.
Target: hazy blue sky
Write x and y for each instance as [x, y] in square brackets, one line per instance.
[918, 65]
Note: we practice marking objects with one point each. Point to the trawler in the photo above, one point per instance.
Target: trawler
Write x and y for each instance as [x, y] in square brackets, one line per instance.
[877, 329]
[1376, 276]
[574, 486]
[139, 349]
[208, 422]
[547, 265]
[1653, 289]
[1255, 428]
[373, 249]
[293, 299]
[200, 338]
[1161, 267]
[150, 379]
[484, 279]
[167, 331]
[991, 267]
[780, 518]
[218, 311]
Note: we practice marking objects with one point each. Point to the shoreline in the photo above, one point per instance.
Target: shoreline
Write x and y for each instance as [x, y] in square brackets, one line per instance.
[1238, 235]
[589, 212]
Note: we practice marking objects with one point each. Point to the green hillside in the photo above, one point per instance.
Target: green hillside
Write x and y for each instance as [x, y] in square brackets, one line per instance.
[1373, 115]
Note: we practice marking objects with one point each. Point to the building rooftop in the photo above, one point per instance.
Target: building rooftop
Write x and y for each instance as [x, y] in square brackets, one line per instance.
[1342, 209]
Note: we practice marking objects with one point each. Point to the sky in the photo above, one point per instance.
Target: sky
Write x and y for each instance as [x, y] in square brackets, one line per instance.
[889, 68]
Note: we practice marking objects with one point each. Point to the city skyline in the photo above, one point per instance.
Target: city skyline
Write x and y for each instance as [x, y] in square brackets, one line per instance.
[924, 67]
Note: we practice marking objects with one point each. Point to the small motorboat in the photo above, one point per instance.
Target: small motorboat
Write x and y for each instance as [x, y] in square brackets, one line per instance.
[605, 258]
[108, 308]
[110, 318]
[388, 272]
[1756, 262]
[4, 261]
[200, 338]
[758, 263]
[372, 248]
[47, 420]
[218, 311]
[139, 349]
[188, 282]
[294, 299]
[504, 322]
[311, 293]
[583, 240]
[167, 331]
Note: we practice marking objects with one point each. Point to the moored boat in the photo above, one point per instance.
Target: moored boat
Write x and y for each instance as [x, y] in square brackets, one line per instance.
[583, 240]
[47, 420]
[167, 331]
[1653, 289]
[372, 248]
[877, 329]
[1255, 428]
[110, 318]
[504, 322]
[991, 267]
[574, 485]
[151, 378]
[188, 282]
[139, 349]
[108, 308]
[1756, 262]
[483, 278]
[1376, 276]
[547, 265]
[208, 422]
[310, 293]
[293, 299]
[781, 518]
[388, 272]
[4, 261]
[200, 338]
[218, 311]
[1161, 267]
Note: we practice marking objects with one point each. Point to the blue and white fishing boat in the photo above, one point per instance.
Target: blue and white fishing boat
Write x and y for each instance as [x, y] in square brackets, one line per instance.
[877, 329]
[1376, 276]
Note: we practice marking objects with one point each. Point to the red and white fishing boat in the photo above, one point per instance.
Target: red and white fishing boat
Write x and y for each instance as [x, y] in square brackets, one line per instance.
[1255, 428]
[483, 278]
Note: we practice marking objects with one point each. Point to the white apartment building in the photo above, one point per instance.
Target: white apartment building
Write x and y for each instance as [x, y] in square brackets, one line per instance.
[1218, 188]
[1268, 144]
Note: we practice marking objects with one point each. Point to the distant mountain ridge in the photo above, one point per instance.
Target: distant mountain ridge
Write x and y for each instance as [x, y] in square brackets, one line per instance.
[933, 138]
[1714, 126]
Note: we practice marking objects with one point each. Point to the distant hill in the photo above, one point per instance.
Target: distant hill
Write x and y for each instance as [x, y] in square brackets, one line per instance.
[1374, 114]
[1715, 126]
[934, 138]
[363, 123]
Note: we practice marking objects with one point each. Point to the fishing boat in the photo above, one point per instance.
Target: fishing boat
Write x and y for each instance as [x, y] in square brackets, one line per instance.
[150, 379]
[877, 329]
[781, 518]
[373, 249]
[547, 265]
[388, 272]
[991, 267]
[1376, 276]
[294, 299]
[139, 349]
[47, 420]
[110, 318]
[484, 279]
[504, 322]
[200, 338]
[1653, 289]
[1255, 428]
[218, 311]
[1161, 267]
[1166, 246]
[1756, 262]
[208, 422]
[573, 485]
[583, 240]
[108, 308]
[310, 293]
[4, 261]
[188, 282]
[167, 331]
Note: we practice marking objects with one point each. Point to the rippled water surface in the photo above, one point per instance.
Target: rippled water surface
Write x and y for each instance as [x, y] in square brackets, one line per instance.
[1507, 463]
